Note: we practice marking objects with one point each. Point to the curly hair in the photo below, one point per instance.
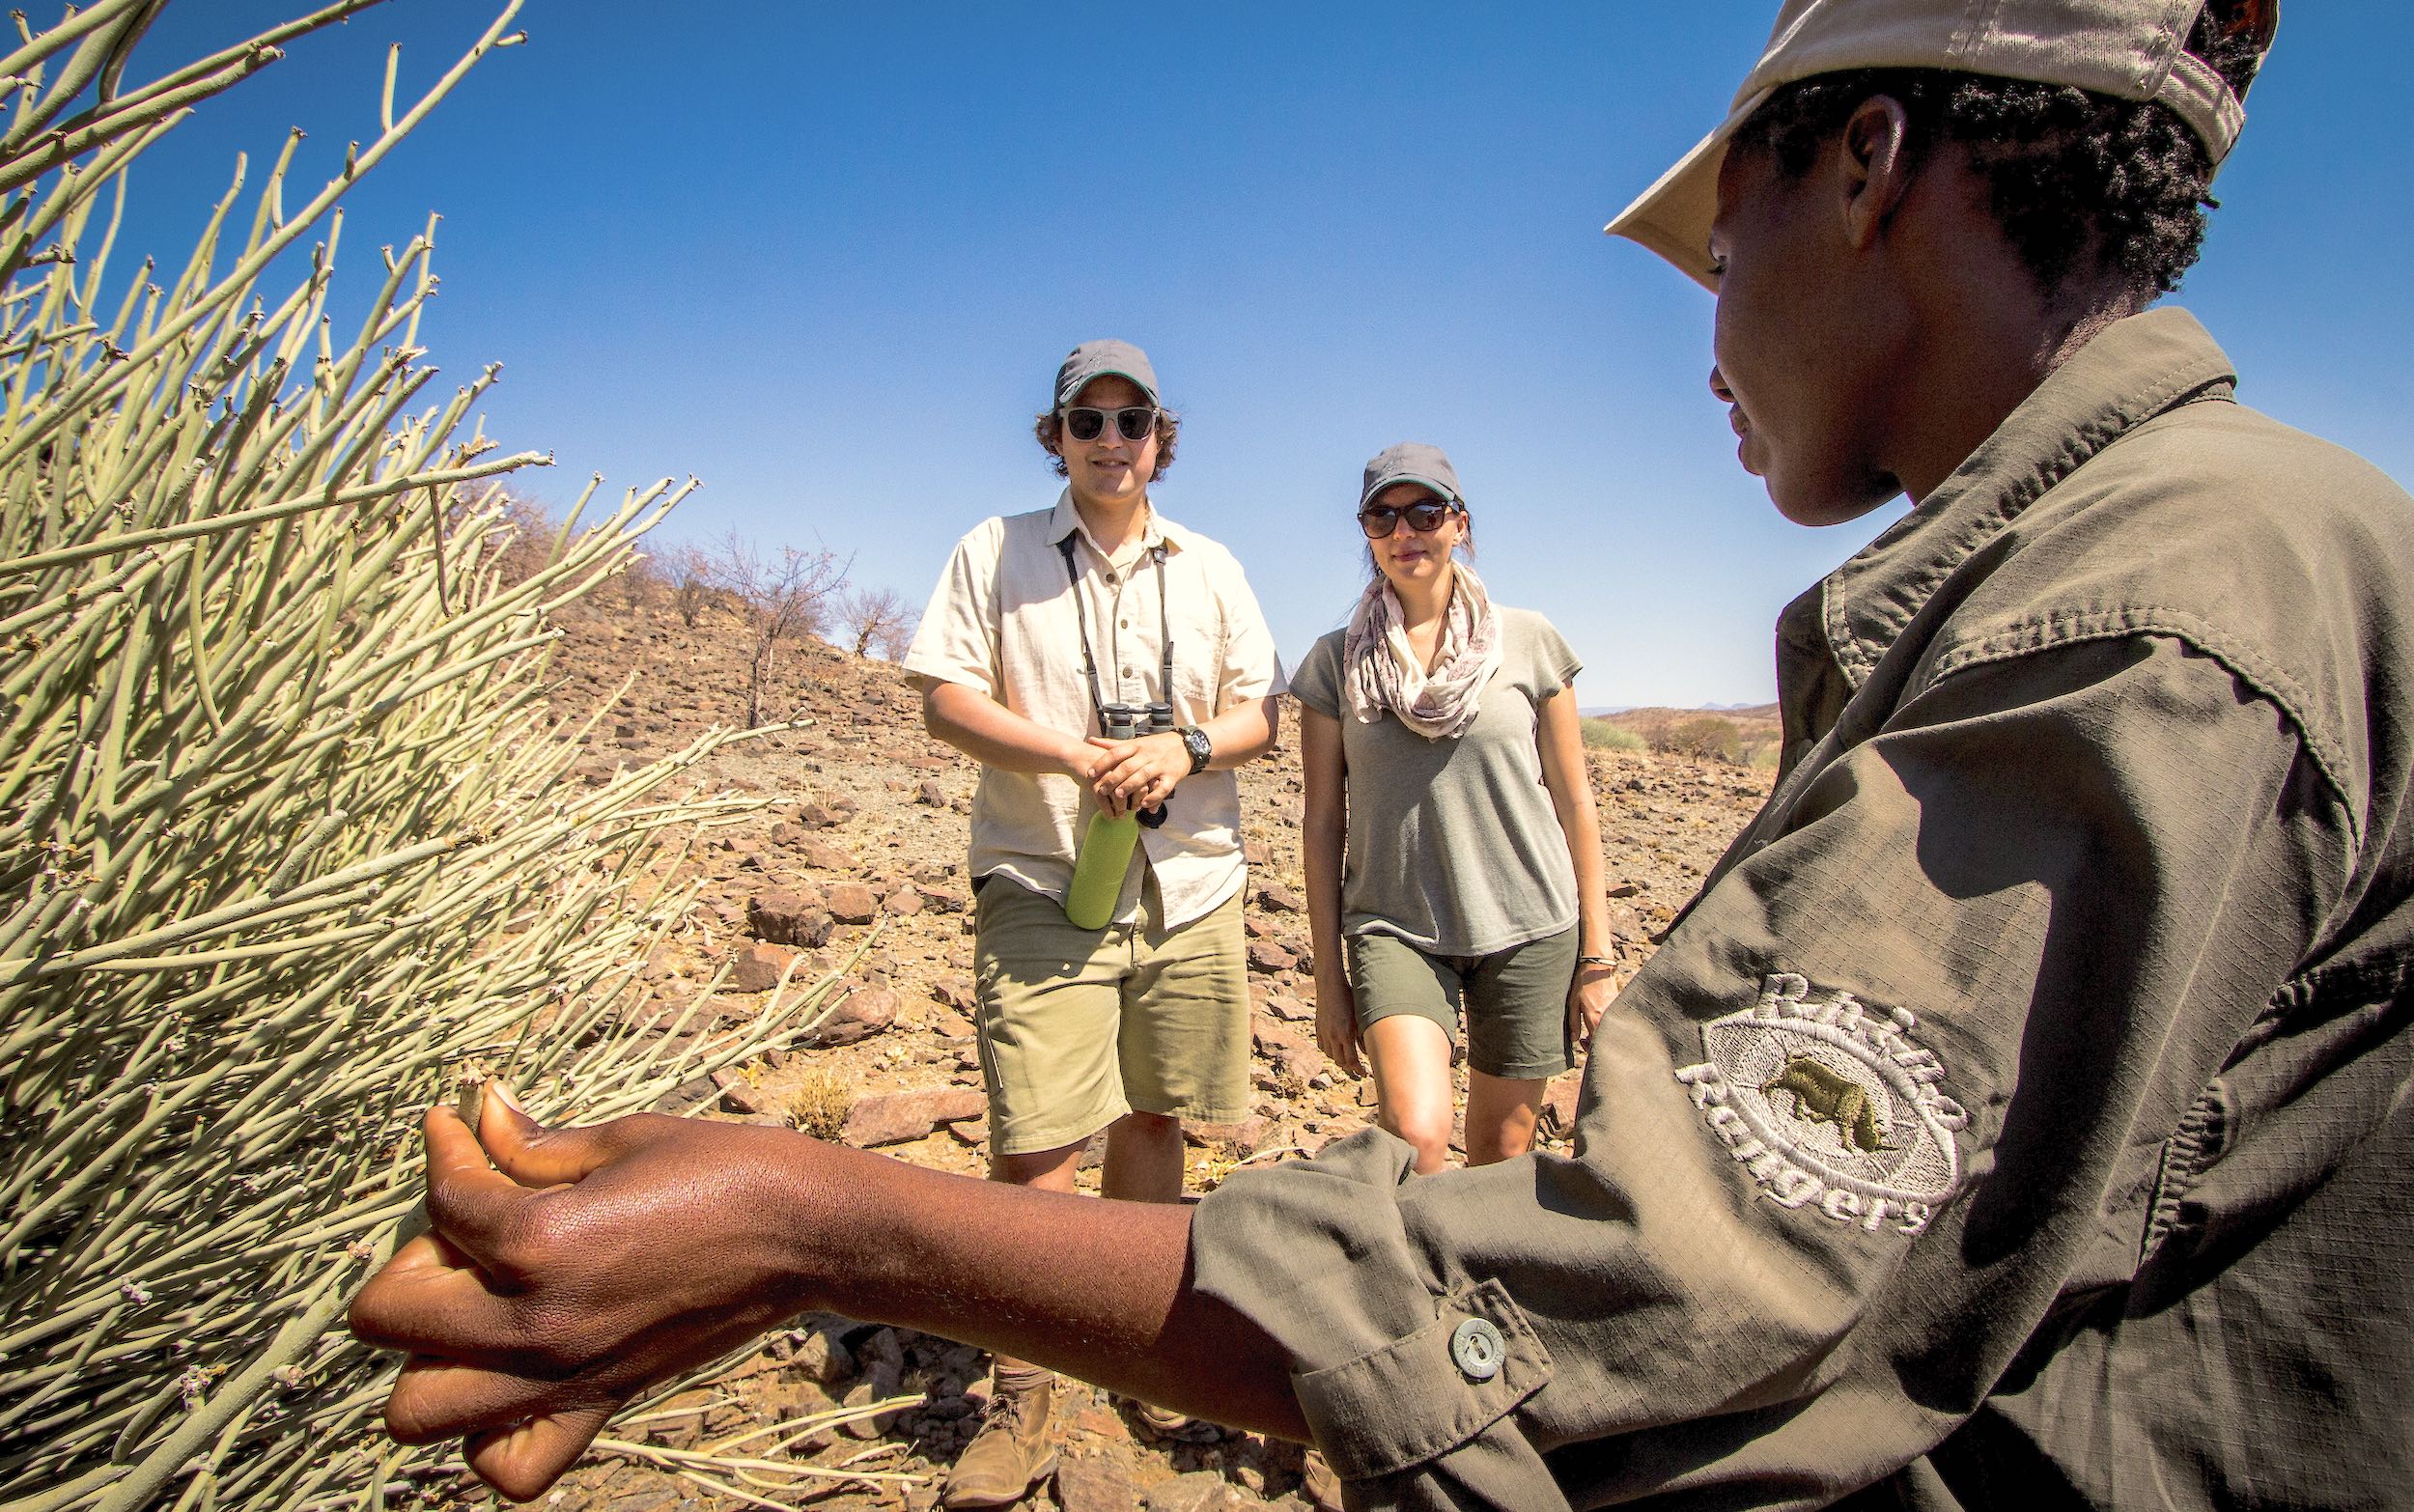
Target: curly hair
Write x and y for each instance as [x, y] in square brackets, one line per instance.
[2078, 181]
[1050, 429]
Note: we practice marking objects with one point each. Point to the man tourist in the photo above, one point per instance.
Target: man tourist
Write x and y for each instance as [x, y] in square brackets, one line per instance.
[1041, 628]
[2023, 1113]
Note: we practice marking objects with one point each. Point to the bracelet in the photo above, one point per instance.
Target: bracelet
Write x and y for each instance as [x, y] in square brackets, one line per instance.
[1599, 961]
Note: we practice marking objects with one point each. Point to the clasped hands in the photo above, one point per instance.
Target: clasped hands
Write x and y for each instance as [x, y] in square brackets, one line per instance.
[1130, 776]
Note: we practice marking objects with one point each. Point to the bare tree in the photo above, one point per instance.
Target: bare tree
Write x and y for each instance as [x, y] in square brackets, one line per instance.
[878, 619]
[783, 593]
[690, 572]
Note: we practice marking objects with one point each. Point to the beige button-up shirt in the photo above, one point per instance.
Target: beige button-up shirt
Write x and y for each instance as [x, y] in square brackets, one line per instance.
[1002, 621]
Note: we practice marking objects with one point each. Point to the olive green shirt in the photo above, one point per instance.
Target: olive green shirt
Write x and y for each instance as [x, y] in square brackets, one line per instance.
[2022, 1115]
[1454, 845]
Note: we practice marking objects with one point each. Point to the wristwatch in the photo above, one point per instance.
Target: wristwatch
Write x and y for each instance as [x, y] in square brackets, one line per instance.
[1195, 740]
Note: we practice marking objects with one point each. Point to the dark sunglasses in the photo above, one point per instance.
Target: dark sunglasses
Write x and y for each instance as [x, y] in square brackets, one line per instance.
[1379, 520]
[1085, 423]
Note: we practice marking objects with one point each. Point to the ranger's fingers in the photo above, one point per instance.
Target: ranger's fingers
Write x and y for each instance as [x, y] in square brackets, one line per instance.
[436, 1398]
[430, 1297]
[523, 1460]
[535, 1156]
[473, 1205]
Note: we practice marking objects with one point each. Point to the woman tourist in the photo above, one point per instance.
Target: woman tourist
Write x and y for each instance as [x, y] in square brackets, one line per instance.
[1454, 855]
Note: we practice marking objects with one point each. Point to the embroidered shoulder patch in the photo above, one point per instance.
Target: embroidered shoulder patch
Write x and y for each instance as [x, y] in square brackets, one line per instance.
[1830, 1103]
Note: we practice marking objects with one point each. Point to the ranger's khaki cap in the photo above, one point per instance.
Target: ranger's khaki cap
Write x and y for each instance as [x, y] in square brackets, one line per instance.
[2129, 50]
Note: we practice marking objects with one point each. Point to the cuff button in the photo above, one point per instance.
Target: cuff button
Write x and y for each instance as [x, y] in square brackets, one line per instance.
[1477, 1347]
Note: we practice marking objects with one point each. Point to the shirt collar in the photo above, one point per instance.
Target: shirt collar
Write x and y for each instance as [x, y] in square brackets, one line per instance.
[1154, 531]
[2133, 370]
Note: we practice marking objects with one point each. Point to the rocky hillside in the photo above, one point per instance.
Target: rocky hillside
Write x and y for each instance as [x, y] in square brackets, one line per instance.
[856, 865]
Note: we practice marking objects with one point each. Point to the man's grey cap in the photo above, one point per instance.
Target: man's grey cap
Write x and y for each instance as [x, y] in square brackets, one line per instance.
[1411, 461]
[1096, 359]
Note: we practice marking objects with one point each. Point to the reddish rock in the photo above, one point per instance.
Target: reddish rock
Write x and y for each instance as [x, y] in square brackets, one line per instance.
[1559, 1101]
[737, 1094]
[894, 1117]
[1094, 1483]
[945, 899]
[1295, 1052]
[789, 918]
[952, 1024]
[865, 1011]
[931, 793]
[1256, 853]
[1264, 955]
[813, 814]
[1278, 899]
[1282, 1005]
[822, 855]
[1199, 1491]
[759, 968]
[1240, 1138]
[853, 902]
[1258, 927]
[904, 903]
[956, 993]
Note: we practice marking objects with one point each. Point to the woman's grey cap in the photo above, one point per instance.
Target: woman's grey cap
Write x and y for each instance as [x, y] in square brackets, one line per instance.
[1096, 359]
[1411, 461]
[2128, 49]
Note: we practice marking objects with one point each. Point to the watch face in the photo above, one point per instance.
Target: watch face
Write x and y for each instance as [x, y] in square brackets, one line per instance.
[1195, 740]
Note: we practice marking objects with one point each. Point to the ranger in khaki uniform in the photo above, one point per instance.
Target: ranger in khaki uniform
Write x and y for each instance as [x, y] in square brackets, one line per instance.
[2023, 1114]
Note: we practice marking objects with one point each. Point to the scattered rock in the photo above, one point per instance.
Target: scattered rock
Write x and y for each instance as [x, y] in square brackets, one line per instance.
[1559, 1101]
[931, 793]
[853, 902]
[1240, 1138]
[1199, 1491]
[822, 855]
[865, 1011]
[893, 1117]
[1094, 1483]
[759, 968]
[787, 918]
[737, 1094]
[903, 904]
[813, 814]
[955, 991]
[1264, 955]
[1284, 1006]
[1278, 899]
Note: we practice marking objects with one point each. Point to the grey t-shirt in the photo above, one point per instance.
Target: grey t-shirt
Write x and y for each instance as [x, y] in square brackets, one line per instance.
[1453, 844]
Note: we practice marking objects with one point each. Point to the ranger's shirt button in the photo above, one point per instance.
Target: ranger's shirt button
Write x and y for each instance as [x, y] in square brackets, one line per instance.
[1479, 1347]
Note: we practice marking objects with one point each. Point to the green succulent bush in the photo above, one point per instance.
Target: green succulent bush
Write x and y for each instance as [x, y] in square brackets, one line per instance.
[289, 842]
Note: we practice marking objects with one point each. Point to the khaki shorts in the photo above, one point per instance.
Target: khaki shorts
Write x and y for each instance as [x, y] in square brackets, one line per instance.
[1515, 999]
[1079, 1026]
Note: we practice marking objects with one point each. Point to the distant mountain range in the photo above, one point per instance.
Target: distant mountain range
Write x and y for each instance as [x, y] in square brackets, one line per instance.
[1748, 711]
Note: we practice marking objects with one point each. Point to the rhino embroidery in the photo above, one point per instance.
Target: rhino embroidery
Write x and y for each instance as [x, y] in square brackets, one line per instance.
[1821, 1096]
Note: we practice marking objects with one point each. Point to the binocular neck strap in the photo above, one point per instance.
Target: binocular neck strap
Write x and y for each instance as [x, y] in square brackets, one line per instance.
[1080, 615]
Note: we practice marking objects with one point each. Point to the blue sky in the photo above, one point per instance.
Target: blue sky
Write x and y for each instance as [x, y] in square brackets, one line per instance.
[827, 258]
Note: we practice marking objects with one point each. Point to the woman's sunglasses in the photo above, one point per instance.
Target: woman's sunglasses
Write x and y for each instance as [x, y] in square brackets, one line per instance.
[1085, 423]
[1379, 520]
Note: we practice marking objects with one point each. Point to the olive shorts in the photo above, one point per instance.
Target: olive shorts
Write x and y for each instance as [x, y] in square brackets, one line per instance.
[1515, 999]
[1079, 1026]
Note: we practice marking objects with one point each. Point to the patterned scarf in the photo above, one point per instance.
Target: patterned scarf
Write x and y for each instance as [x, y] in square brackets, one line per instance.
[1384, 674]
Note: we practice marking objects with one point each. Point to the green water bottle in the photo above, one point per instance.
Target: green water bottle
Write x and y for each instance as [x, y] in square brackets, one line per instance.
[1105, 853]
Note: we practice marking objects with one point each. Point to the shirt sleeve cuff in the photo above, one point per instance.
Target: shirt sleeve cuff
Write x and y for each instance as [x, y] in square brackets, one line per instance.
[1423, 1395]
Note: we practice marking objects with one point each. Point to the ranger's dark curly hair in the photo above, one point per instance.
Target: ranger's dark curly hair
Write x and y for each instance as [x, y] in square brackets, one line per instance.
[2078, 181]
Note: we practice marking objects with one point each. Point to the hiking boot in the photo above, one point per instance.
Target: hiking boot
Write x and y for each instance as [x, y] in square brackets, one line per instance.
[1014, 1451]
[1319, 1484]
[1163, 1422]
